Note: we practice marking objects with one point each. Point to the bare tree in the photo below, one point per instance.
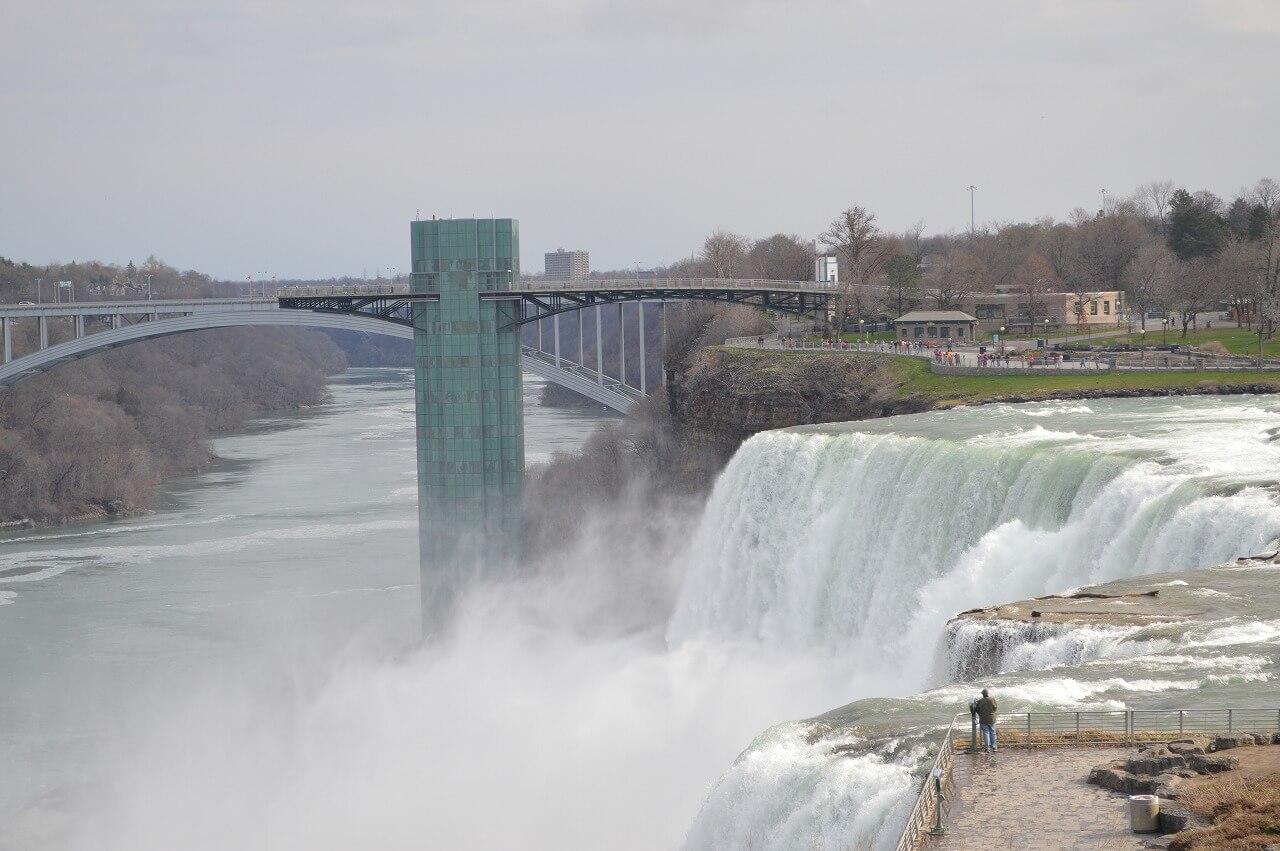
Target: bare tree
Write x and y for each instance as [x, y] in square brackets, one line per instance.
[725, 254]
[1146, 278]
[862, 251]
[1266, 194]
[1192, 288]
[1032, 280]
[1154, 198]
[955, 276]
[781, 257]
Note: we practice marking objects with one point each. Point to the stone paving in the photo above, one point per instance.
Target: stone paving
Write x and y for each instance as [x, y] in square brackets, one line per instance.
[1035, 800]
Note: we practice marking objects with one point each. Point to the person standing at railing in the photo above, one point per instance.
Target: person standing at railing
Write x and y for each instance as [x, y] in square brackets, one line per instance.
[986, 709]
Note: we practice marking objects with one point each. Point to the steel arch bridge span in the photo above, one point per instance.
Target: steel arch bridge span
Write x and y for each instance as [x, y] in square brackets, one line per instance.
[44, 360]
[575, 378]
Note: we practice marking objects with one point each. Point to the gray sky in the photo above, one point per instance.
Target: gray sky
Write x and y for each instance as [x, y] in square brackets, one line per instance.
[298, 138]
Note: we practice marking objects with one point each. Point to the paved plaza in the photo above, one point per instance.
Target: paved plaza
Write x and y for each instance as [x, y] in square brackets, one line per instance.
[1019, 800]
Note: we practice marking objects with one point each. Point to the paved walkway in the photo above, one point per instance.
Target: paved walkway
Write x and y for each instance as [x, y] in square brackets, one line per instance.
[1035, 801]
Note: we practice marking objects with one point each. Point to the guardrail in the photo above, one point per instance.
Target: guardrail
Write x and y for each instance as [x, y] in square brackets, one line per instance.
[1127, 726]
[926, 806]
[1079, 729]
[586, 285]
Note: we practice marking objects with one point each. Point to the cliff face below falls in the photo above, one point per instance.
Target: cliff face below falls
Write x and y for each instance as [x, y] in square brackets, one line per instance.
[723, 396]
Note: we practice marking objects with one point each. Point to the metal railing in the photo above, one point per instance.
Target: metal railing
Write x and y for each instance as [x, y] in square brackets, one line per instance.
[584, 285]
[1082, 728]
[1128, 726]
[926, 806]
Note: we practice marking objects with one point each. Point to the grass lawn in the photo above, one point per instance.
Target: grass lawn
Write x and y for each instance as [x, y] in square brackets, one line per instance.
[1238, 341]
[958, 389]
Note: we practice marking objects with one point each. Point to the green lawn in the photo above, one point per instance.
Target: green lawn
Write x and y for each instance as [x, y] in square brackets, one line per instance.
[958, 389]
[1238, 341]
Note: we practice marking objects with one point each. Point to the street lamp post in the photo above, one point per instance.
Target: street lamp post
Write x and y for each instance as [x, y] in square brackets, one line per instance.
[1046, 333]
[148, 288]
[1164, 331]
[1002, 339]
[1142, 346]
[862, 331]
[39, 295]
[972, 229]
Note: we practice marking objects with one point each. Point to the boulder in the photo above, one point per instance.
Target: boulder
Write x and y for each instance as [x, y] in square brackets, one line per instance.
[1113, 778]
[1162, 785]
[1235, 740]
[1174, 817]
[1213, 764]
[1275, 738]
[1186, 747]
[1154, 760]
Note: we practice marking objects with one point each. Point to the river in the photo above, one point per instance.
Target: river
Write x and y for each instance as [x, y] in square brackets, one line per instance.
[240, 669]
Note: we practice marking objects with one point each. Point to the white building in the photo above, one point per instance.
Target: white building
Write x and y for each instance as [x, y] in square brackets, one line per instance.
[826, 270]
[561, 265]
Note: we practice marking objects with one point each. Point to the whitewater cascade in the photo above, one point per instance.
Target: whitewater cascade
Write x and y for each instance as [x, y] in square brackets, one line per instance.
[861, 541]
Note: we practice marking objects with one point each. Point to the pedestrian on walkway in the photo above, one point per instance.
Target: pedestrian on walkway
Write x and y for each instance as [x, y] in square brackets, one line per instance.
[986, 709]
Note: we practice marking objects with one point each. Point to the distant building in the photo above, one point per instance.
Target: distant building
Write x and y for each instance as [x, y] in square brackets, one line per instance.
[936, 325]
[826, 270]
[564, 265]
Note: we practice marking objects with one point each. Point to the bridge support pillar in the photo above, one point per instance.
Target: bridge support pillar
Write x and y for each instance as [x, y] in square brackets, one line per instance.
[622, 345]
[44, 333]
[79, 325]
[8, 339]
[115, 321]
[468, 400]
[555, 333]
[599, 350]
[582, 361]
[644, 355]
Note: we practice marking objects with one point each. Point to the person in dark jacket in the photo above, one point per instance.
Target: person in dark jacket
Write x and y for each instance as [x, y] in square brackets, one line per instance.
[986, 708]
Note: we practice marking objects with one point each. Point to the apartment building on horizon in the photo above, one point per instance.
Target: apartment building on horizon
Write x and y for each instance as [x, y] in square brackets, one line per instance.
[561, 265]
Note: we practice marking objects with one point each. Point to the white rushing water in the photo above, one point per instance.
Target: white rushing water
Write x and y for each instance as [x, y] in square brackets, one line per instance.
[240, 670]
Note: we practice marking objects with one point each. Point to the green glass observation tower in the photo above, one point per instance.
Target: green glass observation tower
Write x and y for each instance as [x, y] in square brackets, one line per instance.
[468, 396]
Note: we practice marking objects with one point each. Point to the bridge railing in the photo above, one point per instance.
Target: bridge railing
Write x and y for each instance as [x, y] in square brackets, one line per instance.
[543, 285]
[537, 285]
[355, 289]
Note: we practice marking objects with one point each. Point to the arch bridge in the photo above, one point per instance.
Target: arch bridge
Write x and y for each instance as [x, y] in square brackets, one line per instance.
[385, 310]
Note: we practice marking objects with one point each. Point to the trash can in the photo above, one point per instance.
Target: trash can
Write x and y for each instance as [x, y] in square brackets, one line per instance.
[1144, 813]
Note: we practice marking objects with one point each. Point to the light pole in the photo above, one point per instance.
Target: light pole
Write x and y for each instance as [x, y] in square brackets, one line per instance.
[1164, 331]
[1002, 339]
[862, 332]
[1046, 333]
[148, 288]
[972, 229]
[1142, 346]
[39, 296]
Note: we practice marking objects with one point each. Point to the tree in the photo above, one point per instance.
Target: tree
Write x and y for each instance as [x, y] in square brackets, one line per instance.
[1191, 289]
[862, 251]
[957, 275]
[1195, 228]
[903, 273]
[1146, 278]
[1154, 199]
[725, 254]
[1238, 268]
[1032, 280]
[781, 257]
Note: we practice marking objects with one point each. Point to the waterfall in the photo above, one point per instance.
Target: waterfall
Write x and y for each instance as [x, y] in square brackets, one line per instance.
[865, 543]
[860, 541]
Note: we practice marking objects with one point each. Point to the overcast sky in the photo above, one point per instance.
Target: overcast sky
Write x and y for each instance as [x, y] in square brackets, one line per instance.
[298, 139]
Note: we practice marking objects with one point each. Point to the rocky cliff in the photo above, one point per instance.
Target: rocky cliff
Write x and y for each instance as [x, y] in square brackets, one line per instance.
[723, 396]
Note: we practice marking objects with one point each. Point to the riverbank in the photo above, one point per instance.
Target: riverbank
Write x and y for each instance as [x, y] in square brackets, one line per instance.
[724, 395]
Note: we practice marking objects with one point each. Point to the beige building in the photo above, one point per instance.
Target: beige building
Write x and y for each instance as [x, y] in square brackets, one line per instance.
[936, 325]
[1013, 311]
